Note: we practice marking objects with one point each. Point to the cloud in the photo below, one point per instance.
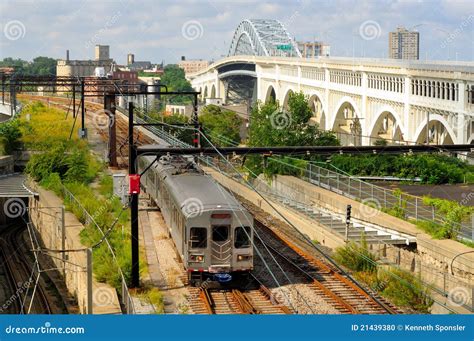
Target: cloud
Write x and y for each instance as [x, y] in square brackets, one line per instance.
[153, 29]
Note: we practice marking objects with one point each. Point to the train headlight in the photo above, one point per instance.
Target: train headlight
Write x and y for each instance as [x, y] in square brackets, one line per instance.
[243, 258]
[196, 258]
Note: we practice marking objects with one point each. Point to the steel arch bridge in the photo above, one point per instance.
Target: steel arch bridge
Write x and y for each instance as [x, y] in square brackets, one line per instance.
[263, 37]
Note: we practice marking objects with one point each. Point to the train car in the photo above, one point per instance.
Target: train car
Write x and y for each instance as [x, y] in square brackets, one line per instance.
[212, 231]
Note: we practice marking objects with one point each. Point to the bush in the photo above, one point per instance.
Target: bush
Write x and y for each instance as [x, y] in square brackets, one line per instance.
[72, 164]
[356, 257]
[10, 135]
[405, 290]
[431, 168]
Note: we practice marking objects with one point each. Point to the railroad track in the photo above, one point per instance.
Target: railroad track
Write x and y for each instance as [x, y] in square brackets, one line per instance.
[235, 301]
[318, 273]
[20, 268]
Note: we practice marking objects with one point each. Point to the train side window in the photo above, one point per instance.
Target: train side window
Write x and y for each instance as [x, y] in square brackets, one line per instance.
[198, 237]
[242, 237]
[220, 233]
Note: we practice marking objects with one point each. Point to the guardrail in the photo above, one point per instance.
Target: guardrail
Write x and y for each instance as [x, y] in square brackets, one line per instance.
[412, 207]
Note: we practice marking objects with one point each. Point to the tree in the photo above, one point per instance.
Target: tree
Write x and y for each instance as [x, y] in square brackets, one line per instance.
[174, 78]
[221, 126]
[40, 66]
[272, 125]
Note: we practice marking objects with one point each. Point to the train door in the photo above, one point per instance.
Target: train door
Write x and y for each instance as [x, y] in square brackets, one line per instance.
[221, 245]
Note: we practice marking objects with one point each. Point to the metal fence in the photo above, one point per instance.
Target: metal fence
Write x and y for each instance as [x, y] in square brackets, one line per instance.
[409, 206]
[126, 299]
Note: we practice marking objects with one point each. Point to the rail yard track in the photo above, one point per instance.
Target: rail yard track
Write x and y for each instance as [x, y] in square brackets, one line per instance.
[292, 252]
[235, 301]
[26, 296]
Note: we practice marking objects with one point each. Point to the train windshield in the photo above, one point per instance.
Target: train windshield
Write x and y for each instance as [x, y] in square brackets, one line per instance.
[242, 237]
[220, 233]
[198, 237]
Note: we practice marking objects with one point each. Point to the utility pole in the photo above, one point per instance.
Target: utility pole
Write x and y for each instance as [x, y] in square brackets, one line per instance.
[109, 108]
[73, 101]
[89, 281]
[132, 157]
[83, 111]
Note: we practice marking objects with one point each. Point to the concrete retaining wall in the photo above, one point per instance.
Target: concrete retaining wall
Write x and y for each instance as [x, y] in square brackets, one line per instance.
[6, 164]
[45, 213]
[430, 259]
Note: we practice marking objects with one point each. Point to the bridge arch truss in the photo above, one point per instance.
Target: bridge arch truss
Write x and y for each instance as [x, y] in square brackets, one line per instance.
[263, 37]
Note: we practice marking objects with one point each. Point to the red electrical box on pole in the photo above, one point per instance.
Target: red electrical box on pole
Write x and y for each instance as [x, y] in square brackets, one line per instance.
[134, 184]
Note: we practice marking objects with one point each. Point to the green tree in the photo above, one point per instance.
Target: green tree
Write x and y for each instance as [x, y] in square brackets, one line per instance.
[40, 66]
[272, 125]
[221, 126]
[173, 77]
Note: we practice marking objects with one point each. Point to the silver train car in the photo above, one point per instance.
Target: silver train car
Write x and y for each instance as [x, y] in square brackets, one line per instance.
[212, 231]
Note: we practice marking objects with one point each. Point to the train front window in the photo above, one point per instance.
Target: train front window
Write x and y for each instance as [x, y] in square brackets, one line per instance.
[198, 237]
[220, 233]
[242, 237]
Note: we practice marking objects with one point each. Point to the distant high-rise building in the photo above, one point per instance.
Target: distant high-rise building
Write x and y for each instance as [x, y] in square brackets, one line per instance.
[404, 44]
[312, 49]
[102, 52]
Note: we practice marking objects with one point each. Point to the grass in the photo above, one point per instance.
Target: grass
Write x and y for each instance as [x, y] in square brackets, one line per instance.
[401, 287]
[69, 163]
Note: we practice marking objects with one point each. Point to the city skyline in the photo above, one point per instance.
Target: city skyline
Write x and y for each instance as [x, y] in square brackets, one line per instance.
[204, 29]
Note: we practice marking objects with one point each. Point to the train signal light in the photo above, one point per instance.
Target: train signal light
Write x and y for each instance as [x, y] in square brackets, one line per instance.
[348, 214]
[134, 184]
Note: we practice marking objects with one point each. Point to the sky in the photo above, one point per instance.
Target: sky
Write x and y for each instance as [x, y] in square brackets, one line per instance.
[163, 30]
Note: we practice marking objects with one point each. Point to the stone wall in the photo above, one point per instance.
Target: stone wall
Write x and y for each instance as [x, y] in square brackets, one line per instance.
[46, 215]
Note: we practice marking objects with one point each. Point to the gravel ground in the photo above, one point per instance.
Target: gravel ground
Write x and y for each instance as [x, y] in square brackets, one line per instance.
[170, 266]
[303, 299]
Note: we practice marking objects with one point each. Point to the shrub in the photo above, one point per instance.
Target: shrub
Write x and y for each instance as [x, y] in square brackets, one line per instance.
[356, 257]
[406, 290]
[10, 135]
